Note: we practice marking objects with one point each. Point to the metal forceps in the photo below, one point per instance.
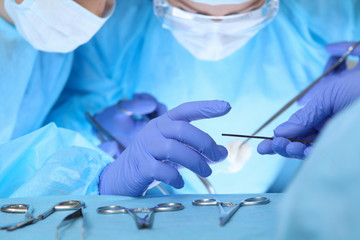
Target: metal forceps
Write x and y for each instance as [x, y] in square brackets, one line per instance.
[18, 208]
[62, 206]
[225, 216]
[148, 220]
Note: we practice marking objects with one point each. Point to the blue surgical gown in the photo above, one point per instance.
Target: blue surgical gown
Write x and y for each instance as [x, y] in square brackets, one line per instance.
[35, 159]
[134, 53]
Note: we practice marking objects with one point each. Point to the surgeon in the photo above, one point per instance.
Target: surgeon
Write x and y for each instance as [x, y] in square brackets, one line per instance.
[37, 39]
[340, 89]
[254, 54]
[53, 160]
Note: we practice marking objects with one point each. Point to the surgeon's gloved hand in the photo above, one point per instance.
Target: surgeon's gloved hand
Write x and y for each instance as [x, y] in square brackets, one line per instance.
[126, 118]
[169, 138]
[336, 50]
[307, 122]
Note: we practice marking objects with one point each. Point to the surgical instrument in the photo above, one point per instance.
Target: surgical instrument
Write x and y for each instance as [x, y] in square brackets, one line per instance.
[148, 220]
[18, 208]
[260, 137]
[62, 206]
[225, 216]
[69, 219]
[302, 93]
[102, 131]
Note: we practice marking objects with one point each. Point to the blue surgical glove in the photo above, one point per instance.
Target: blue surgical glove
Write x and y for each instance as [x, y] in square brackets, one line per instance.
[165, 140]
[126, 118]
[336, 50]
[307, 122]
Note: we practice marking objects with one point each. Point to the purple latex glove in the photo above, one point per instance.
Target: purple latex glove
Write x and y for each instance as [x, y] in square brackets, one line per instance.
[307, 122]
[126, 118]
[336, 50]
[168, 138]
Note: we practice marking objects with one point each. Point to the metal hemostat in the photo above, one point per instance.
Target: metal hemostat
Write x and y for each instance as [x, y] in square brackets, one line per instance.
[29, 219]
[148, 220]
[225, 216]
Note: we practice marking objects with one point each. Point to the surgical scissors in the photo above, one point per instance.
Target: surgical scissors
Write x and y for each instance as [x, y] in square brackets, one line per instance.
[225, 216]
[17, 208]
[61, 206]
[148, 220]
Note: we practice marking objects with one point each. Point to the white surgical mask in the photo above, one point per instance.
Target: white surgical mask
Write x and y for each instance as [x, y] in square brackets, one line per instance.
[213, 38]
[212, 46]
[54, 25]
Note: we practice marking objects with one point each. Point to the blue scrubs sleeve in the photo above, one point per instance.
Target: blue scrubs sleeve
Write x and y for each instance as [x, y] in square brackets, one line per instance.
[50, 161]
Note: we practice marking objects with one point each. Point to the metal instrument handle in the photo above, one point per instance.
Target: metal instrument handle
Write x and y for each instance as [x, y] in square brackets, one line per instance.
[22, 224]
[205, 202]
[255, 201]
[46, 214]
[69, 205]
[111, 210]
[166, 207]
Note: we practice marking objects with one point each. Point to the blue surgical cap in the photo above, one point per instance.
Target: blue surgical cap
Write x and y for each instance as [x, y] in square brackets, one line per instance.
[220, 2]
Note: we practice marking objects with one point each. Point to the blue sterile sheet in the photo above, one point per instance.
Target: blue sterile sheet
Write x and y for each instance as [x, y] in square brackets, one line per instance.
[193, 222]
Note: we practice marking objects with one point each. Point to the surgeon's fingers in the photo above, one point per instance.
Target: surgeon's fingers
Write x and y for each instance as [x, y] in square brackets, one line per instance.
[167, 174]
[193, 137]
[288, 149]
[296, 150]
[283, 147]
[338, 49]
[265, 147]
[179, 153]
[279, 145]
[192, 111]
[307, 151]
